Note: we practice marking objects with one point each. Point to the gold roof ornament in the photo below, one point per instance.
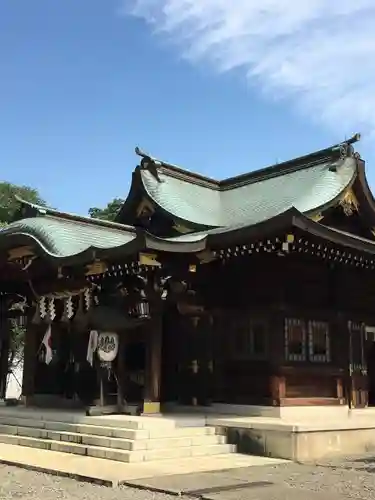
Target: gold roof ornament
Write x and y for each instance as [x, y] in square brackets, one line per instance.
[148, 259]
[317, 217]
[180, 228]
[97, 267]
[349, 202]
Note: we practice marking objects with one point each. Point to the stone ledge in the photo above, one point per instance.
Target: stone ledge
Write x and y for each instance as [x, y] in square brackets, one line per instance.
[299, 443]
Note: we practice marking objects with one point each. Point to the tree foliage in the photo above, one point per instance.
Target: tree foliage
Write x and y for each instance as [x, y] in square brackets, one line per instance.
[109, 212]
[9, 205]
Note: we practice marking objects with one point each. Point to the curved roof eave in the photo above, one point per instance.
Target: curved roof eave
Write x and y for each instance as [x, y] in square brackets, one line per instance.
[138, 189]
[335, 200]
[130, 203]
[364, 194]
[90, 253]
[190, 243]
[336, 236]
[286, 221]
[217, 238]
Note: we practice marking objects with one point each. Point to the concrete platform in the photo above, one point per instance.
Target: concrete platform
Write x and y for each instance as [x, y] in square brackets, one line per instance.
[303, 441]
[112, 473]
[304, 438]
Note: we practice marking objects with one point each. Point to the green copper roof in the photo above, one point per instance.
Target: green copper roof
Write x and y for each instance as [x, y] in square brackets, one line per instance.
[248, 201]
[64, 238]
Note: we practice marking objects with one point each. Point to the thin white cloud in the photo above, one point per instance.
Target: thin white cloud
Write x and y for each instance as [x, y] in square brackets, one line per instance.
[318, 53]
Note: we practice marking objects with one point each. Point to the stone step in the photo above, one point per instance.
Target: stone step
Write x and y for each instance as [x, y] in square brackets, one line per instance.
[93, 439]
[118, 454]
[120, 421]
[6, 426]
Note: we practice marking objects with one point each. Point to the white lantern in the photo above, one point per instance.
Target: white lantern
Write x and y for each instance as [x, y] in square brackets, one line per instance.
[108, 344]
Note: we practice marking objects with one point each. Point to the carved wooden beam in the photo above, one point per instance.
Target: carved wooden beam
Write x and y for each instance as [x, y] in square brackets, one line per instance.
[95, 268]
[20, 253]
[145, 208]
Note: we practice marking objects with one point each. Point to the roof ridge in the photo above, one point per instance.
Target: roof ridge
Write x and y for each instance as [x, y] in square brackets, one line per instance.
[288, 166]
[40, 210]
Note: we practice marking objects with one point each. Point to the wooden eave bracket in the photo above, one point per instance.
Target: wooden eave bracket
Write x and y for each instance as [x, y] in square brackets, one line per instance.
[206, 256]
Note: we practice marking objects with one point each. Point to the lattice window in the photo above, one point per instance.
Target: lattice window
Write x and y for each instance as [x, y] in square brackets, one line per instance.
[295, 339]
[370, 333]
[319, 341]
[357, 337]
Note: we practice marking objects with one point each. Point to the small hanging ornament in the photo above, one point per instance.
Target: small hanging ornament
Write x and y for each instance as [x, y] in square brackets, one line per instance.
[43, 307]
[51, 309]
[95, 296]
[87, 298]
[68, 310]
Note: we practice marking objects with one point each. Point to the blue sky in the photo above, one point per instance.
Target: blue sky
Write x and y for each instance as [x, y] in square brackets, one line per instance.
[217, 87]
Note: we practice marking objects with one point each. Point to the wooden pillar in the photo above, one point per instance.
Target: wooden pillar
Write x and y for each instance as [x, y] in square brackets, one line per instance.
[276, 351]
[4, 346]
[278, 389]
[120, 373]
[151, 404]
[30, 360]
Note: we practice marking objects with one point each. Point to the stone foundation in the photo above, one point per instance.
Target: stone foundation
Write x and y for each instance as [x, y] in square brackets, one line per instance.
[300, 443]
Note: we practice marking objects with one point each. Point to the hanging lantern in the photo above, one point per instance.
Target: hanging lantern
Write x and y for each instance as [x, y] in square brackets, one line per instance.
[143, 309]
[108, 344]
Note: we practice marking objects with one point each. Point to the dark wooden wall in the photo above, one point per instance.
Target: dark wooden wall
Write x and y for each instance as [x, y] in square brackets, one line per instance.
[269, 289]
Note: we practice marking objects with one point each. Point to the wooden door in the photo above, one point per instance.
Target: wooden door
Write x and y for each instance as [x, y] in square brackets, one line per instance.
[196, 363]
[358, 390]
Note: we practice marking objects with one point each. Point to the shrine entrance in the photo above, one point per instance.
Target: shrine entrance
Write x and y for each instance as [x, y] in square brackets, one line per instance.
[134, 359]
[187, 360]
[370, 362]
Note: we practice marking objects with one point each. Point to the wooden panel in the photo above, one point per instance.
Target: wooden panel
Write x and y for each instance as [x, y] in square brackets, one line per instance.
[244, 383]
[242, 366]
[359, 395]
[312, 386]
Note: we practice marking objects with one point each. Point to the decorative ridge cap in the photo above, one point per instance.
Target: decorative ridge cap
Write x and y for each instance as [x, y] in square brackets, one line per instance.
[337, 151]
[172, 170]
[45, 211]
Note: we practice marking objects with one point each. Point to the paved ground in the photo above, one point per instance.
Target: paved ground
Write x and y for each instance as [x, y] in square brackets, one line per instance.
[336, 480]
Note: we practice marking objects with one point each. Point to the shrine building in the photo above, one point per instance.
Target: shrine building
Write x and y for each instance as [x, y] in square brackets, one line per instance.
[255, 291]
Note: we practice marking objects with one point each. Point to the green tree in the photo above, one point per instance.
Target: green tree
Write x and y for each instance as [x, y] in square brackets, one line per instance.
[9, 205]
[109, 212]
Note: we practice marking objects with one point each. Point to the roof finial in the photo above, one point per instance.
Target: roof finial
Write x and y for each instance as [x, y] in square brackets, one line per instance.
[355, 138]
[148, 163]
